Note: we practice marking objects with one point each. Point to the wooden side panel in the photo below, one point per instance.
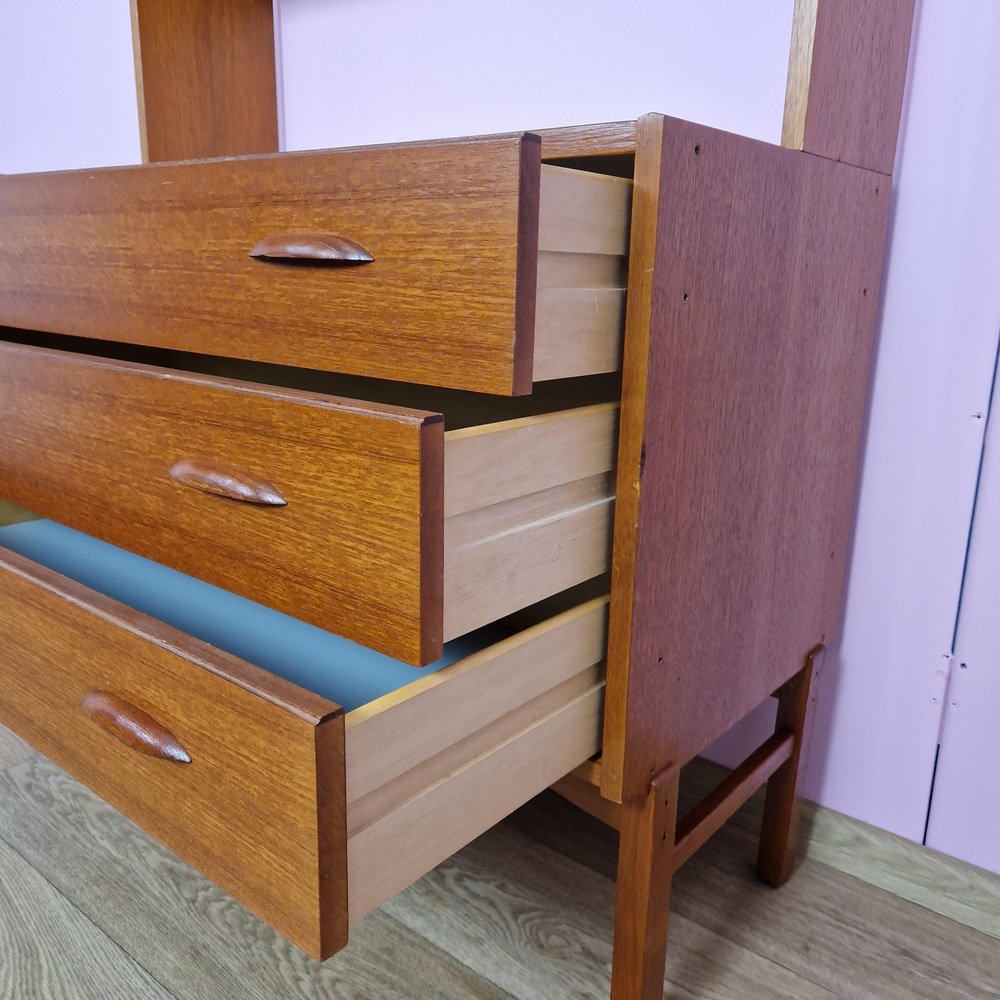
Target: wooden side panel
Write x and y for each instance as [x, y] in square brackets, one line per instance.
[206, 78]
[755, 381]
[260, 808]
[847, 72]
[356, 546]
[159, 256]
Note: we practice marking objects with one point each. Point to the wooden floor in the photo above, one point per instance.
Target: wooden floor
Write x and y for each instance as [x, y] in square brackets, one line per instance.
[91, 908]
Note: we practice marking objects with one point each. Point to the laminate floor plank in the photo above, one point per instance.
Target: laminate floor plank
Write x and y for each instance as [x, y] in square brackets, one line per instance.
[540, 925]
[13, 749]
[523, 913]
[839, 932]
[39, 928]
[829, 927]
[191, 936]
[961, 892]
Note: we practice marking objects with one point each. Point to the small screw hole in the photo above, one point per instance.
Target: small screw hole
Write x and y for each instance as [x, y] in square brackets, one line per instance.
[864, 291]
[697, 150]
[684, 297]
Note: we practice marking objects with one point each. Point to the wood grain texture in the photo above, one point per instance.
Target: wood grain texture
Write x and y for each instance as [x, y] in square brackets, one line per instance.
[491, 463]
[642, 893]
[226, 481]
[320, 249]
[900, 868]
[639, 319]
[194, 939]
[205, 74]
[741, 423]
[779, 834]
[388, 854]
[357, 549]
[415, 737]
[585, 794]
[706, 818]
[800, 58]
[260, 807]
[847, 72]
[551, 544]
[133, 727]
[588, 141]
[528, 506]
[35, 924]
[159, 256]
[872, 936]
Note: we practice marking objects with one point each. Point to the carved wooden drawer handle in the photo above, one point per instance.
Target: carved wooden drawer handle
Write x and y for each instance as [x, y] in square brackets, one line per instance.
[321, 249]
[226, 481]
[134, 727]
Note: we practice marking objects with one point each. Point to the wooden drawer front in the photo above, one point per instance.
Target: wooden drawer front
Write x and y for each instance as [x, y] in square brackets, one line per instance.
[356, 548]
[310, 817]
[160, 255]
[391, 532]
[260, 806]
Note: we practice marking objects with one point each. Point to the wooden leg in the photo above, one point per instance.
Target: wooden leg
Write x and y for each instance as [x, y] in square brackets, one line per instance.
[783, 805]
[642, 896]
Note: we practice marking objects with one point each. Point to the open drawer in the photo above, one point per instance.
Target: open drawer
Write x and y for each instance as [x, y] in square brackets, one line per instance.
[459, 263]
[366, 519]
[309, 816]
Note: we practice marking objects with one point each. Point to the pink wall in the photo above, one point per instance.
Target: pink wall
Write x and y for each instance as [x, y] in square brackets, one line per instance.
[382, 70]
[67, 85]
[884, 696]
[941, 314]
[357, 71]
[965, 816]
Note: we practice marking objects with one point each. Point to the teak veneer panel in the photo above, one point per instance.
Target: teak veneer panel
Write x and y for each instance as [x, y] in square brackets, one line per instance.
[846, 77]
[205, 76]
[356, 549]
[260, 807]
[741, 428]
[159, 255]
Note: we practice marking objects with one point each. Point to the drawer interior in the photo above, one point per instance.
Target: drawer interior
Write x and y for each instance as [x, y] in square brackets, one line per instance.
[433, 757]
[345, 672]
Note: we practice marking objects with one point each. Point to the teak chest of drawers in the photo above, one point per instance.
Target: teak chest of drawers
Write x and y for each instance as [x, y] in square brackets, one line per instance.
[404, 392]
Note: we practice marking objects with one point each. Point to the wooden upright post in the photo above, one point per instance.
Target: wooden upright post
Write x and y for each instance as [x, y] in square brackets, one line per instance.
[846, 75]
[642, 899]
[205, 74]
